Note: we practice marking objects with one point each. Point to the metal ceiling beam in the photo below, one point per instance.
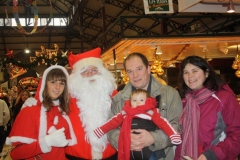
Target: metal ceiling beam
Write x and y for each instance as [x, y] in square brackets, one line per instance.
[219, 30]
[125, 6]
[133, 9]
[110, 20]
[4, 43]
[75, 17]
[209, 31]
[50, 31]
[58, 9]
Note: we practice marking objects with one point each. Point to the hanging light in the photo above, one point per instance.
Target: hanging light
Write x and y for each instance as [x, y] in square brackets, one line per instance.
[26, 50]
[237, 73]
[230, 8]
[158, 51]
[157, 65]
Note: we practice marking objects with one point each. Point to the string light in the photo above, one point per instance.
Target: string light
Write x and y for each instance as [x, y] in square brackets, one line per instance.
[236, 63]
[158, 50]
[230, 8]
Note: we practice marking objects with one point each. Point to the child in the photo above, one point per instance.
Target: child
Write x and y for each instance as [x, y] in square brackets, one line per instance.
[140, 105]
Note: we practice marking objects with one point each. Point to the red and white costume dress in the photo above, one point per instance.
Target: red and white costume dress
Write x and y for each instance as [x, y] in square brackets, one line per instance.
[33, 123]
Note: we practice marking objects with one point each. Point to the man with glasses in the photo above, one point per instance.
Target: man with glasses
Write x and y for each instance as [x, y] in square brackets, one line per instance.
[91, 87]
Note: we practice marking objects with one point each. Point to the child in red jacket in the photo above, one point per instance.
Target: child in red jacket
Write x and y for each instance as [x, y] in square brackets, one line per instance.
[140, 105]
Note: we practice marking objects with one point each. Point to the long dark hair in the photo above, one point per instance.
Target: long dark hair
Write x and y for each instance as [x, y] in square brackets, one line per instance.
[56, 74]
[213, 82]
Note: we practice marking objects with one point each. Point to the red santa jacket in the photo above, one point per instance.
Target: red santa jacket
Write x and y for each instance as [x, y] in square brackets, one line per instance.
[82, 149]
[30, 126]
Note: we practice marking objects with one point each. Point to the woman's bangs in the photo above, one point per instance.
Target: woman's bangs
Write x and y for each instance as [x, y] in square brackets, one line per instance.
[57, 76]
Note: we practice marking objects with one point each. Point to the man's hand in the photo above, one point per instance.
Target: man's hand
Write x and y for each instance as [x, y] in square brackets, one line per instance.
[140, 140]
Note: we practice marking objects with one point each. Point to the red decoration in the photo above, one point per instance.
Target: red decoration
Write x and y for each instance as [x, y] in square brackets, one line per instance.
[9, 53]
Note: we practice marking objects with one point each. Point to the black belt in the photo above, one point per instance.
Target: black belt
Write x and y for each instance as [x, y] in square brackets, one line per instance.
[69, 157]
[1, 128]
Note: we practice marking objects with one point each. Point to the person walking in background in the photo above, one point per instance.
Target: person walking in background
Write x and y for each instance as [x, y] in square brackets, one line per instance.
[21, 98]
[43, 130]
[210, 120]
[169, 103]
[8, 127]
[4, 118]
[140, 105]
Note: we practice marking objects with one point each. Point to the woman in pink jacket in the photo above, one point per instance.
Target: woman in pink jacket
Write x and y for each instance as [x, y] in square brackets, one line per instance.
[210, 120]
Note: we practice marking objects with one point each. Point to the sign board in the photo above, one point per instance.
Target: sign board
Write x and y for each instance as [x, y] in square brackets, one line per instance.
[158, 6]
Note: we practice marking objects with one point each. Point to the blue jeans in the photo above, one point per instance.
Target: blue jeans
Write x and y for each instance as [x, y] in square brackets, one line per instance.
[153, 156]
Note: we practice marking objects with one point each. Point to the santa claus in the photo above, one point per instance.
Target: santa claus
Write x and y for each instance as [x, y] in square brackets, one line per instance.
[91, 88]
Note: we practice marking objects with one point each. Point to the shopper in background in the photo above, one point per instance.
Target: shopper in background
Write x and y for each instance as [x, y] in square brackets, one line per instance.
[8, 127]
[21, 98]
[4, 118]
[210, 120]
[169, 104]
[44, 129]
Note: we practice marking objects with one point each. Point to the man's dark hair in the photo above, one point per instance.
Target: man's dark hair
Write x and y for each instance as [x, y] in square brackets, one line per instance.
[136, 54]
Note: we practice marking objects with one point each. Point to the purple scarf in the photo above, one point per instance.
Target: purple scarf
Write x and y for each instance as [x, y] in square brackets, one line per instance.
[189, 121]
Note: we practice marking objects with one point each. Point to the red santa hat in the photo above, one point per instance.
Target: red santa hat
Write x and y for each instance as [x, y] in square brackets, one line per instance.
[89, 58]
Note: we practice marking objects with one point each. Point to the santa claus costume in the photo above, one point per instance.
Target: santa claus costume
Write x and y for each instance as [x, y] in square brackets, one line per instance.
[90, 106]
[34, 123]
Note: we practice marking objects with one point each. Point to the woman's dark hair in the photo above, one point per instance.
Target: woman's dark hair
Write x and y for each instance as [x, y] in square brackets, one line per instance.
[58, 75]
[213, 82]
[136, 54]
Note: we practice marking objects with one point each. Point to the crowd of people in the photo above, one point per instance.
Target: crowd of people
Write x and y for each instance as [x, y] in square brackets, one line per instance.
[81, 114]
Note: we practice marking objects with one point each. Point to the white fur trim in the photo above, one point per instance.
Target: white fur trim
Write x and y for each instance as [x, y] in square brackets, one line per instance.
[73, 139]
[43, 145]
[96, 155]
[87, 62]
[55, 121]
[43, 122]
[144, 116]
[45, 75]
[13, 139]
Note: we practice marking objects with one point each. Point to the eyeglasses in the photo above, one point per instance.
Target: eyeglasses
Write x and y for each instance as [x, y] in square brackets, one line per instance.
[92, 71]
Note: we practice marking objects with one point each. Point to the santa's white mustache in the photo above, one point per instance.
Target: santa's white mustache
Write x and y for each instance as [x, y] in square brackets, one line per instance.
[92, 78]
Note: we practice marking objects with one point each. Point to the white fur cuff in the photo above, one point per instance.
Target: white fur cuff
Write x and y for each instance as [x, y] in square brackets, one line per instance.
[43, 145]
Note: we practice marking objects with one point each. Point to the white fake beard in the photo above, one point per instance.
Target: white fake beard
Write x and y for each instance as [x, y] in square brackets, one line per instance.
[94, 101]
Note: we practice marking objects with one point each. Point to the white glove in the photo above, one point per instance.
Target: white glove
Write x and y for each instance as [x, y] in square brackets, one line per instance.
[56, 138]
[29, 102]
